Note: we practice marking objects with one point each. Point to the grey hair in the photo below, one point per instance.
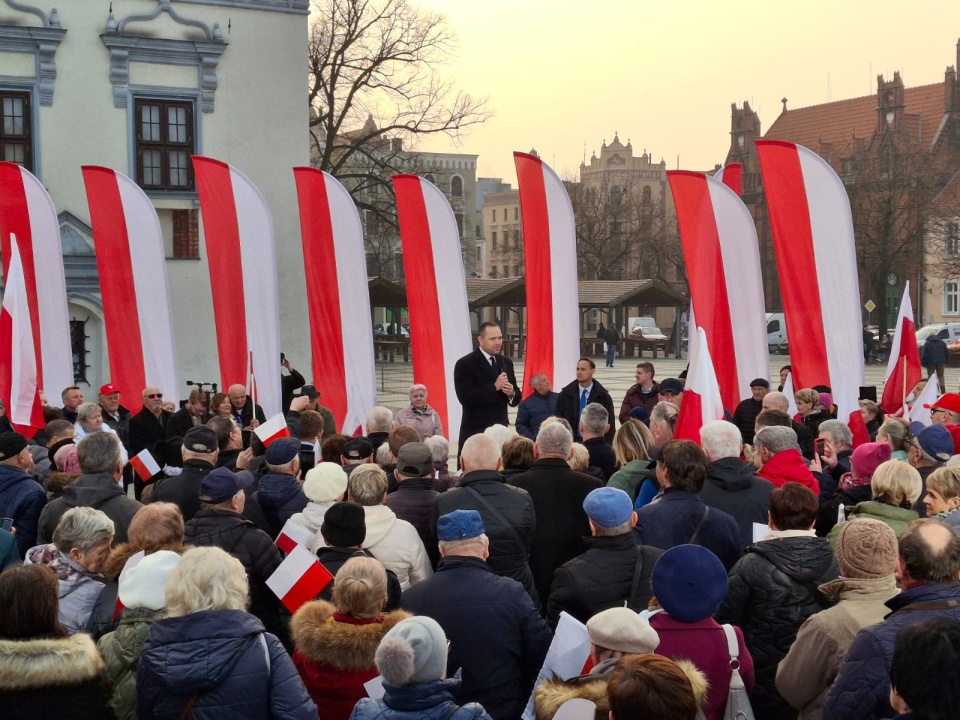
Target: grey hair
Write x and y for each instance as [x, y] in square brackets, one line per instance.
[720, 439]
[367, 484]
[776, 439]
[537, 379]
[554, 439]
[621, 529]
[417, 386]
[83, 528]
[439, 446]
[98, 453]
[207, 578]
[663, 411]
[87, 410]
[481, 452]
[501, 433]
[382, 456]
[379, 419]
[457, 547]
[838, 431]
[594, 418]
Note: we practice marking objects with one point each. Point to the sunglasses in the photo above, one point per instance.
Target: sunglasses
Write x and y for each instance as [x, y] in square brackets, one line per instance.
[154, 396]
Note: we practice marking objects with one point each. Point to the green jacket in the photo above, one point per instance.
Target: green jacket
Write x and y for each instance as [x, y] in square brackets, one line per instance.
[896, 517]
[630, 477]
[121, 653]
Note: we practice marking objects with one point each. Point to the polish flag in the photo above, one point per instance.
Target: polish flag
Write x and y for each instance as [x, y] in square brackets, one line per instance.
[788, 390]
[436, 292]
[238, 231]
[299, 578]
[27, 212]
[137, 314]
[18, 358]
[903, 368]
[293, 534]
[920, 412]
[701, 402]
[335, 262]
[726, 290]
[812, 230]
[550, 264]
[145, 465]
[567, 656]
[274, 428]
[731, 176]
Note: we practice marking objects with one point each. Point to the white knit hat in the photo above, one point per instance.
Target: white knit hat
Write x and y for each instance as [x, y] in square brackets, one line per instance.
[142, 586]
[325, 482]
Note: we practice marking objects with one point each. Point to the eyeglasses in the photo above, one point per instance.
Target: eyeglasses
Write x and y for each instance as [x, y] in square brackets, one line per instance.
[934, 411]
[154, 396]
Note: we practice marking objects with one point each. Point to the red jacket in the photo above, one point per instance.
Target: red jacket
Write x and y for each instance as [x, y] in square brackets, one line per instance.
[789, 466]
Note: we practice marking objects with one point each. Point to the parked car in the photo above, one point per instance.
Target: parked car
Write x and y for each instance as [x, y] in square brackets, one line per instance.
[950, 332]
[381, 329]
[649, 338]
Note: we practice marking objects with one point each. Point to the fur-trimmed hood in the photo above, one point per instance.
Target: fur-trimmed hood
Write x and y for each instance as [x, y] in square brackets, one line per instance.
[553, 693]
[342, 645]
[121, 553]
[49, 662]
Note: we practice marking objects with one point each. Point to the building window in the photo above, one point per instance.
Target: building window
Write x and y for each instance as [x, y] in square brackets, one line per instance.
[186, 234]
[494, 215]
[456, 186]
[516, 213]
[165, 142]
[516, 271]
[493, 240]
[516, 238]
[951, 297]
[78, 347]
[15, 136]
[951, 239]
[493, 271]
[646, 195]
[616, 195]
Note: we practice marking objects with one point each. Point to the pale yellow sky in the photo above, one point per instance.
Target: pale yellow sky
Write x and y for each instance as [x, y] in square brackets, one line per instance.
[562, 73]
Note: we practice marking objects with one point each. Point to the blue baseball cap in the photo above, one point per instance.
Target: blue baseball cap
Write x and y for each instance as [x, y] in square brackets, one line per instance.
[282, 450]
[222, 484]
[608, 507]
[459, 525]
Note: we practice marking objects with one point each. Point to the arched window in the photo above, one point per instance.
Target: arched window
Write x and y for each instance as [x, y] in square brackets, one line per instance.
[456, 186]
[646, 195]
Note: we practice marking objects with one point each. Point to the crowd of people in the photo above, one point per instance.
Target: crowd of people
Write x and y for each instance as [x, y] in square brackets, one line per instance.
[771, 567]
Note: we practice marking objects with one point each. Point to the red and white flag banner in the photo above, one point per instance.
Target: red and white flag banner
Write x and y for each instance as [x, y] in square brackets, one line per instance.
[568, 656]
[731, 175]
[336, 268]
[238, 231]
[790, 392]
[137, 314]
[812, 230]
[550, 264]
[27, 211]
[920, 412]
[436, 292]
[145, 465]
[701, 402]
[273, 429]
[299, 578]
[903, 368]
[293, 534]
[726, 290]
[18, 358]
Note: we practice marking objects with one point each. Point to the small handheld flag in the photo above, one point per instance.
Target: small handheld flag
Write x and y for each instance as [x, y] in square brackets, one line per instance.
[273, 429]
[145, 465]
[299, 579]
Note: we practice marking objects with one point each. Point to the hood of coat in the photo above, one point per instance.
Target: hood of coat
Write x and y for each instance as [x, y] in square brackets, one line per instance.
[197, 652]
[122, 553]
[380, 520]
[319, 637]
[122, 646]
[731, 474]
[91, 491]
[48, 662]
[312, 516]
[423, 696]
[802, 559]
[10, 476]
[862, 589]
[277, 489]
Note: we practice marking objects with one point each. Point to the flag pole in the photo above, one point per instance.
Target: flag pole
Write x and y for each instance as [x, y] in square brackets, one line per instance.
[904, 371]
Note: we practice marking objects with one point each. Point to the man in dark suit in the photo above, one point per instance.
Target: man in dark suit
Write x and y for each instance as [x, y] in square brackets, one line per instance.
[485, 384]
[147, 428]
[580, 393]
[192, 414]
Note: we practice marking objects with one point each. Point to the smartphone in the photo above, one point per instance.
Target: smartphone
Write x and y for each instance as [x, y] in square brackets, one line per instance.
[6, 524]
[819, 446]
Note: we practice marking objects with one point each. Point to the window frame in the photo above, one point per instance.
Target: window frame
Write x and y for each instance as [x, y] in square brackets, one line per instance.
[951, 298]
[29, 139]
[137, 146]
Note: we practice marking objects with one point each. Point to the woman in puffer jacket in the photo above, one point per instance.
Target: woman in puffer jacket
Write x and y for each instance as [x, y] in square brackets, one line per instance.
[335, 644]
[210, 659]
[412, 658]
[773, 590]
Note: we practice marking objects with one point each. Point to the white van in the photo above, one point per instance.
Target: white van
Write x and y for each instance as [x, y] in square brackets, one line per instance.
[776, 331]
[948, 332]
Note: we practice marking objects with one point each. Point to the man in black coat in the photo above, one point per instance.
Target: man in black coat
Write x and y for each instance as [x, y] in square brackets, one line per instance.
[115, 415]
[558, 494]
[200, 452]
[613, 571]
[778, 401]
[582, 391]
[192, 414]
[289, 383]
[415, 500]
[593, 428]
[147, 428]
[496, 634]
[485, 383]
[247, 413]
[746, 413]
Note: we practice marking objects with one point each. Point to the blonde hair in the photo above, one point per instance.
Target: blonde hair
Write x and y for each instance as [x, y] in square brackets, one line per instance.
[945, 481]
[367, 484]
[897, 431]
[207, 578]
[581, 458]
[87, 411]
[360, 587]
[156, 526]
[807, 395]
[631, 442]
[896, 483]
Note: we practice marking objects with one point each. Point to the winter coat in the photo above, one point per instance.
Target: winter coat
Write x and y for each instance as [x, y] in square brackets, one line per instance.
[568, 406]
[184, 489]
[896, 517]
[705, 645]
[426, 421]
[951, 518]
[772, 592]
[248, 544]
[415, 501]
[22, 499]
[813, 420]
[43, 466]
[334, 558]
[78, 587]
[496, 634]
[788, 466]
[734, 487]
[745, 418]
[145, 430]
[934, 352]
[602, 578]
[847, 498]
[601, 456]
[806, 673]
[52, 678]
[509, 549]
[630, 477]
[311, 518]
[335, 655]
[121, 653]
[280, 496]
[397, 545]
[226, 660]
[674, 519]
[101, 492]
[533, 410]
[558, 494]
[9, 552]
[635, 398]
[80, 432]
[427, 701]
[862, 688]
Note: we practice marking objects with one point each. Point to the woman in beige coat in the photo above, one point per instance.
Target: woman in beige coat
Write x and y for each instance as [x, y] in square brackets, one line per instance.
[867, 556]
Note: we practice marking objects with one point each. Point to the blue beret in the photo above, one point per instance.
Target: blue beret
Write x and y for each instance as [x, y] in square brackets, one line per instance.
[459, 525]
[282, 451]
[608, 506]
